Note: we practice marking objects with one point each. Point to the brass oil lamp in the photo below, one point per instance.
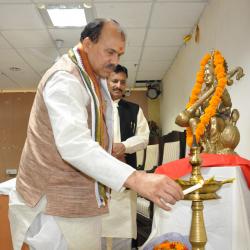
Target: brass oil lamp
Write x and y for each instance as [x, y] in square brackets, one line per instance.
[197, 235]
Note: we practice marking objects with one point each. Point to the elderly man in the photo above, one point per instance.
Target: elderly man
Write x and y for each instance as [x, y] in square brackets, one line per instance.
[131, 134]
[65, 168]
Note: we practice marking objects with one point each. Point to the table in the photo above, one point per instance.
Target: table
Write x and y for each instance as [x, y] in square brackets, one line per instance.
[227, 220]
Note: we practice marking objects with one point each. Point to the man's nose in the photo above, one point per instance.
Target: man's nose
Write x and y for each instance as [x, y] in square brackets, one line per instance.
[119, 84]
[115, 59]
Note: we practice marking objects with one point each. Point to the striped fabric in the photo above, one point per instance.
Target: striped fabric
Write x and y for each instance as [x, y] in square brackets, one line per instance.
[152, 155]
[99, 128]
[143, 207]
[139, 157]
[171, 151]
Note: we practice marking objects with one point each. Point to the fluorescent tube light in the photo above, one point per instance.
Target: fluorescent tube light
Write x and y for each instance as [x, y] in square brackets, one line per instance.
[67, 17]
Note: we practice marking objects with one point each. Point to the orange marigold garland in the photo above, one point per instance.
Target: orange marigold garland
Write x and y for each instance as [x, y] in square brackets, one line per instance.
[167, 245]
[210, 111]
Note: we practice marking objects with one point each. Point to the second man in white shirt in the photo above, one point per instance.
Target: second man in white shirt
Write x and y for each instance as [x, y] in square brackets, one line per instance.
[131, 133]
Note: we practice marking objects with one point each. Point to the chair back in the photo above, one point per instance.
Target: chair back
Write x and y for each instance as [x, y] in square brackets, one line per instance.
[152, 156]
[172, 147]
[140, 159]
[171, 151]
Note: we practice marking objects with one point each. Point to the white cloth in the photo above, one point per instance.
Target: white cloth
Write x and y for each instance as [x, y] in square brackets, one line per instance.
[41, 231]
[66, 101]
[227, 220]
[121, 220]
[7, 186]
[30, 225]
[122, 206]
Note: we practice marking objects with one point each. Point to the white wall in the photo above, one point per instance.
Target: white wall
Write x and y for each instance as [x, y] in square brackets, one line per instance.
[224, 25]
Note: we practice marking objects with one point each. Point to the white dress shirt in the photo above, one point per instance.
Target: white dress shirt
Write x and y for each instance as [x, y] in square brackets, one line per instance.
[122, 206]
[137, 142]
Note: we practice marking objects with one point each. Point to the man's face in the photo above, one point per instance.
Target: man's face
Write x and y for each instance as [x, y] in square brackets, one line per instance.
[117, 85]
[104, 55]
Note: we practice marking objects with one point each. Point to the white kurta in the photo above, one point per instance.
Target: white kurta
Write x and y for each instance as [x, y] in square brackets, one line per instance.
[122, 215]
[66, 100]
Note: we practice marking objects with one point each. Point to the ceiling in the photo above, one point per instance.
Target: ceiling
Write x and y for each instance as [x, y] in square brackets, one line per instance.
[154, 28]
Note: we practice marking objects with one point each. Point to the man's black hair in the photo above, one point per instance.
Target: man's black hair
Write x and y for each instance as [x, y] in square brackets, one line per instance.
[121, 69]
[93, 29]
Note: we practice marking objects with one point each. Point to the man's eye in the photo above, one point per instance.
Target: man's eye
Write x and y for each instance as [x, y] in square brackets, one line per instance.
[110, 52]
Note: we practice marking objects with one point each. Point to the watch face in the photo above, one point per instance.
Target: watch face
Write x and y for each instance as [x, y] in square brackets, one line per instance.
[152, 93]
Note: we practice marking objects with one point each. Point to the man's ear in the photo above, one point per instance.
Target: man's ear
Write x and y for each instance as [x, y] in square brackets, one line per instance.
[87, 44]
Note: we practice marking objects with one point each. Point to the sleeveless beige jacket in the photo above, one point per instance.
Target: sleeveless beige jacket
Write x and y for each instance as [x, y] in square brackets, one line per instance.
[42, 171]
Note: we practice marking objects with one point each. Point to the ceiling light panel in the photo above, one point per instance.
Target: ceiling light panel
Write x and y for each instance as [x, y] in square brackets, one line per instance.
[65, 15]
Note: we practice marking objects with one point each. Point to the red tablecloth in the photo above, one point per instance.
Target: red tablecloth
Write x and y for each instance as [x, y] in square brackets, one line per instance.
[179, 168]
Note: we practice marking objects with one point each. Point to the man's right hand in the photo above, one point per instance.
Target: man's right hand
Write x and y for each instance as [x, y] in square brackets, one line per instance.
[160, 189]
[118, 150]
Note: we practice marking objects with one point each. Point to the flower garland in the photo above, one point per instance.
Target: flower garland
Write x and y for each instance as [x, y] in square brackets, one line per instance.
[167, 245]
[220, 73]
